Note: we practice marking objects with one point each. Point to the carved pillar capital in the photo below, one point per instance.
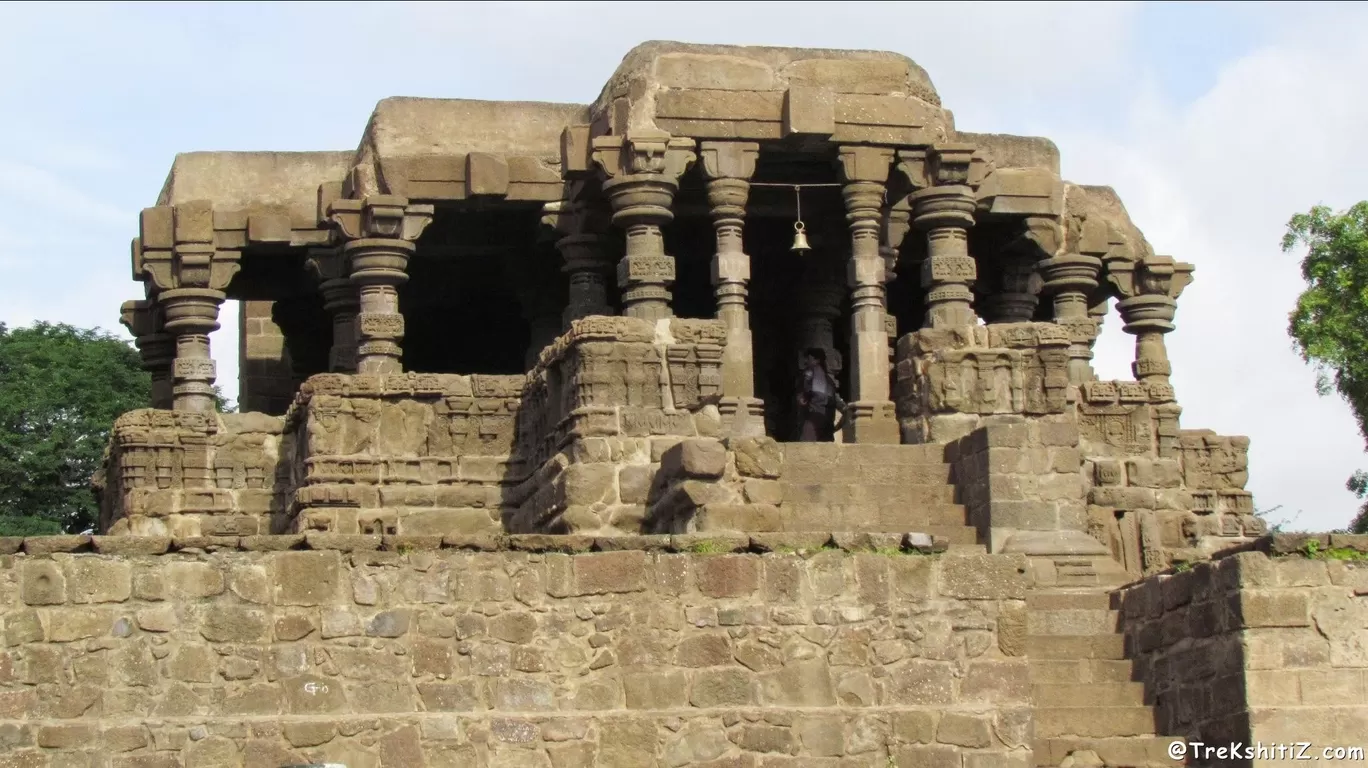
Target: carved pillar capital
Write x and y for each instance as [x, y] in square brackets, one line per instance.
[643, 170]
[941, 165]
[729, 159]
[388, 217]
[945, 214]
[649, 152]
[377, 235]
[175, 248]
[1149, 290]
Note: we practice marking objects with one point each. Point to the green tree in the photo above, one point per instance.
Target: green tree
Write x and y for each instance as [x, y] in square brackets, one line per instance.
[60, 390]
[1329, 326]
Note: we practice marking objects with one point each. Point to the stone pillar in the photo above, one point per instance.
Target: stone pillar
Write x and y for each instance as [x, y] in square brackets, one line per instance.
[896, 224]
[819, 297]
[378, 235]
[1071, 280]
[1097, 312]
[946, 213]
[191, 315]
[1019, 285]
[728, 166]
[587, 266]
[175, 253]
[865, 175]
[1149, 291]
[156, 347]
[539, 298]
[643, 170]
[579, 226]
[340, 300]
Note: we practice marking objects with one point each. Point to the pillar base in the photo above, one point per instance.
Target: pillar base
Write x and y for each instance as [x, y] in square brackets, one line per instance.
[873, 422]
[742, 416]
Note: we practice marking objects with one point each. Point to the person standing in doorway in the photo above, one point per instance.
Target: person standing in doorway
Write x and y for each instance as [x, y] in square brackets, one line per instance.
[818, 399]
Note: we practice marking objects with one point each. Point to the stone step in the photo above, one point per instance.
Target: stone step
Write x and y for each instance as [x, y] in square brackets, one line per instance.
[821, 518]
[1127, 694]
[867, 453]
[867, 493]
[1076, 646]
[955, 534]
[1093, 722]
[1127, 751]
[1060, 600]
[1082, 671]
[746, 518]
[1072, 622]
[843, 474]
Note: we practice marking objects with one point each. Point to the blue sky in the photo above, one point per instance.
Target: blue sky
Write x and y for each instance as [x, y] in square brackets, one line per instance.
[1214, 121]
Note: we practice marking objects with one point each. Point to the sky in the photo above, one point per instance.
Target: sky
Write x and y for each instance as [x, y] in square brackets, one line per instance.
[1215, 123]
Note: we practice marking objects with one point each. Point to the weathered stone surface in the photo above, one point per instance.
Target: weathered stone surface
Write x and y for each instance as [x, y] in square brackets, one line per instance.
[465, 579]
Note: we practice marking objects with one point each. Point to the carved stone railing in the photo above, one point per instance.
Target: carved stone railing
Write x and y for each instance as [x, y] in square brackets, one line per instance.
[186, 474]
[403, 453]
[947, 381]
[605, 402]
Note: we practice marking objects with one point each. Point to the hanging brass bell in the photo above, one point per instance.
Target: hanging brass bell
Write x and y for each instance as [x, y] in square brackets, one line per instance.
[800, 241]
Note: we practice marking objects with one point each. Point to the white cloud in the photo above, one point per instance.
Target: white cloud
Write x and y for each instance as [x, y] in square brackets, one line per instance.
[1214, 183]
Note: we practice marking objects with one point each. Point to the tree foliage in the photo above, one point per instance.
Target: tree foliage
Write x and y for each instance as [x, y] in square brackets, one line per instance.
[60, 390]
[1329, 326]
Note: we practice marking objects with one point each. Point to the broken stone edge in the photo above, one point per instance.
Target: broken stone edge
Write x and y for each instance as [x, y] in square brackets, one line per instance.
[693, 543]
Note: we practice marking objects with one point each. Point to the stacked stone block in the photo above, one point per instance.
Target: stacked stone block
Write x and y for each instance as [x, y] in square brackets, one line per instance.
[1259, 646]
[402, 453]
[412, 651]
[1019, 475]
[265, 376]
[855, 487]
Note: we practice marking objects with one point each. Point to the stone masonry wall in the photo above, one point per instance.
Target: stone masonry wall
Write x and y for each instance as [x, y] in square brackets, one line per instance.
[265, 377]
[1268, 646]
[1018, 475]
[479, 651]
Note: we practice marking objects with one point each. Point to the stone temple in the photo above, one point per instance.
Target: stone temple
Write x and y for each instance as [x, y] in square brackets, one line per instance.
[560, 318]
[516, 478]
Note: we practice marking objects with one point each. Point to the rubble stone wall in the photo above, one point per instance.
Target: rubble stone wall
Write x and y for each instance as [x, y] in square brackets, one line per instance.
[411, 651]
[1257, 646]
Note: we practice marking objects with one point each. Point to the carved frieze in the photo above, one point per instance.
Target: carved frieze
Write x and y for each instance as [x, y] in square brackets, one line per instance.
[1214, 462]
[1125, 428]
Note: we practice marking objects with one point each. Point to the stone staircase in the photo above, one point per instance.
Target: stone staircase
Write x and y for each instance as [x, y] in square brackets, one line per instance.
[882, 488]
[1089, 709]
